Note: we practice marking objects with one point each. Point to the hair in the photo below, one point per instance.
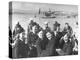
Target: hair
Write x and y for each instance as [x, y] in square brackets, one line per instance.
[67, 23]
[49, 32]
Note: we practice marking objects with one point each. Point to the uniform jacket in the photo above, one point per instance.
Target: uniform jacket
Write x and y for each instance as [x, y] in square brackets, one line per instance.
[50, 48]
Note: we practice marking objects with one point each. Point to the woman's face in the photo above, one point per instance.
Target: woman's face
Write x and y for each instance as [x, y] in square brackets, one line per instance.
[40, 34]
[66, 38]
[66, 26]
[49, 35]
[34, 29]
[46, 24]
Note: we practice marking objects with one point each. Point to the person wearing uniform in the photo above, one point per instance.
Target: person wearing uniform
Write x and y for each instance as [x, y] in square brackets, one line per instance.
[46, 27]
[67, 47]
[50, 47]
[57, 34]
[67, 29]
[32, 38]
[41, 43]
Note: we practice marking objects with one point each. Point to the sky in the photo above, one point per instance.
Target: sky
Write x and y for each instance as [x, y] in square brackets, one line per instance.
[25, 7]
[20, 10]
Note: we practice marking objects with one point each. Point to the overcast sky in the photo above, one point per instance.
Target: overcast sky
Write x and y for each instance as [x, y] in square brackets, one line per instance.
[25, 7]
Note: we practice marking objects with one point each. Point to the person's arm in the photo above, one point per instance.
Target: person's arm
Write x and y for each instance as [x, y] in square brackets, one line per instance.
[67, 52]
[38, 49]
[13, 44]
[60, 52]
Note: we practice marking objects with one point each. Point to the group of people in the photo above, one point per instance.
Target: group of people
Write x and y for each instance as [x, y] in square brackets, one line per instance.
[42, 42]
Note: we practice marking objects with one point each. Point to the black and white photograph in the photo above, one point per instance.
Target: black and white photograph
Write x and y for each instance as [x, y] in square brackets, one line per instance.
[42, 29]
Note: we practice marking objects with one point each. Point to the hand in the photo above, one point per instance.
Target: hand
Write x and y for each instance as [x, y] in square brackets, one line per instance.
[58, 49]
[30, 48]
[34, 45]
